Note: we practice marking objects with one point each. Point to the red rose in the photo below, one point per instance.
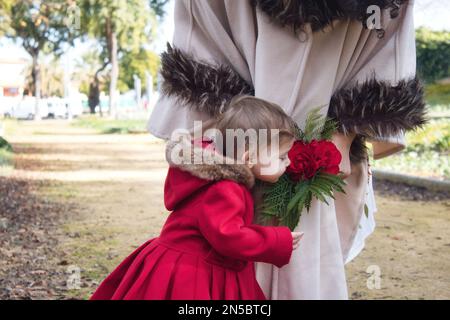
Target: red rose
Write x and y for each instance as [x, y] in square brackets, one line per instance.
[327, 156]
[309, 158]
[303, 164]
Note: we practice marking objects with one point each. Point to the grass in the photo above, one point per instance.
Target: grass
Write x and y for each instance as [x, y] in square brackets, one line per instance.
[427, 150]
[426, 154]
[425, 164]
[438, 94]
[6, 153]
[6, 158]
[9, 127]
[91, 252]
[435, 136]
[57, 190]
[109, 126]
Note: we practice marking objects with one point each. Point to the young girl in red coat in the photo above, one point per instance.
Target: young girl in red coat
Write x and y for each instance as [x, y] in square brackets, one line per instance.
[208, 244]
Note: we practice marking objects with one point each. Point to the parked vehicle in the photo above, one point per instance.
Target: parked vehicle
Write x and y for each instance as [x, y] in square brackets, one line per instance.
[56, 108]
[7, 106]
[26, 109]
[75, 105]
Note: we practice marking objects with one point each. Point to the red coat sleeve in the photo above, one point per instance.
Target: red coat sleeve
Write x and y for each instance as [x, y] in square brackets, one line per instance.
[221, 221]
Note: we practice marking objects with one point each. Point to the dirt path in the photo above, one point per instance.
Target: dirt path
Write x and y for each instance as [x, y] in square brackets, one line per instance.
[411, 249]
[113, 185]
[115, 181]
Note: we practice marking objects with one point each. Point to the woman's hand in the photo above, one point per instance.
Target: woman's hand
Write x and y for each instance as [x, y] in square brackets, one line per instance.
[296, 236]
[343, 144]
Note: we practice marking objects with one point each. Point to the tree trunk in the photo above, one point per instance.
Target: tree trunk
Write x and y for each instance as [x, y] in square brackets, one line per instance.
[114, 76]
[37, 87]
[94, 91]
[94, 96]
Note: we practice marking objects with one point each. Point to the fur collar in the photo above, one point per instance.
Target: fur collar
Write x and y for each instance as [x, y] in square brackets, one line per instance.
[214, 166]
[321, 13]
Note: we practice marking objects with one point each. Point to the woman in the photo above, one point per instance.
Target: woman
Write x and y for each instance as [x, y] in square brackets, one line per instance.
[301, 55]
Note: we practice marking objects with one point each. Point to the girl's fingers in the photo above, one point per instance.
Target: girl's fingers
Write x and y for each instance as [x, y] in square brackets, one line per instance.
[296, 237]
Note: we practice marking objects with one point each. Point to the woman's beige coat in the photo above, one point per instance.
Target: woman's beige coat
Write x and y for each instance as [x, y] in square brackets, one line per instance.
[365, 78]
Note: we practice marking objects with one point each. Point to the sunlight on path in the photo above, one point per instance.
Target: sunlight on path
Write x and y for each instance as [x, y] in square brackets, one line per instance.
[88, 175]
[53, 150]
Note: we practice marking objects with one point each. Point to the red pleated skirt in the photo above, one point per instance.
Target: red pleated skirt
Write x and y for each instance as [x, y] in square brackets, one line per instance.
[156, 271]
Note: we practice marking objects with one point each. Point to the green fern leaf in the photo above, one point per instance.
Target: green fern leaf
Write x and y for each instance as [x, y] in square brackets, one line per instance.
[328, 129]
[313, 125]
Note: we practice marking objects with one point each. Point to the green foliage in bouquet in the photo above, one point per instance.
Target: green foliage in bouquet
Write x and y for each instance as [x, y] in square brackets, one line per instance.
[286, 199]
[317, 127]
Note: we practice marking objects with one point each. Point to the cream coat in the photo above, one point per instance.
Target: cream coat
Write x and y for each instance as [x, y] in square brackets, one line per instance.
[299, 72]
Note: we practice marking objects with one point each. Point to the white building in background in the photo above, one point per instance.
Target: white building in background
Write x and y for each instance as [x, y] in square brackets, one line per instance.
[12, 76]
[12, 81]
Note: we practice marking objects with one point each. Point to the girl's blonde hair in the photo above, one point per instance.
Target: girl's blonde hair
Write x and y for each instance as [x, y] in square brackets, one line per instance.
[247, 112]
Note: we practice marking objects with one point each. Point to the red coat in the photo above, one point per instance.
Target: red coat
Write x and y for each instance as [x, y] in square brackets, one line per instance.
[207, 245]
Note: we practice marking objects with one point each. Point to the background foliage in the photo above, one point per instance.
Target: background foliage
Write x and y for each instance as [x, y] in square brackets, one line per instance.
[433, 54]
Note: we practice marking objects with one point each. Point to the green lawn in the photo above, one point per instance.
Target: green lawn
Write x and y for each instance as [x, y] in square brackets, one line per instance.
[5, 153]
[108, 126]
[426, 154]
[438, 94]
[5, 158]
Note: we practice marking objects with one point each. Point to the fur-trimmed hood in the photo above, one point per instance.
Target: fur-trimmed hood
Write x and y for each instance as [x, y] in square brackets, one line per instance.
[321, 13]
[201, 159]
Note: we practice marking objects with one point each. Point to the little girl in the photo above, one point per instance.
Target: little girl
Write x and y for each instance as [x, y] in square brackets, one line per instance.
[208, 244]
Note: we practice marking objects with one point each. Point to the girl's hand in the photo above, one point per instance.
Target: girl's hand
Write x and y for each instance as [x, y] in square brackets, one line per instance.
[343, 144]
[296, 236]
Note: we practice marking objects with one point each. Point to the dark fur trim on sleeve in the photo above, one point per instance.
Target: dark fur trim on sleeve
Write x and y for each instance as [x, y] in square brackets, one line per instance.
[205, 87]
[375, 108]
[321, 13]
[358, 150]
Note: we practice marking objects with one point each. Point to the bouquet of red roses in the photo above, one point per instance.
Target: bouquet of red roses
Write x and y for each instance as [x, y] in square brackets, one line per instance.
[313, 173]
